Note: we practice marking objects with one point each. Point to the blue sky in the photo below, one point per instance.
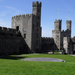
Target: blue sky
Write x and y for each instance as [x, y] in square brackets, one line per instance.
[10, 8]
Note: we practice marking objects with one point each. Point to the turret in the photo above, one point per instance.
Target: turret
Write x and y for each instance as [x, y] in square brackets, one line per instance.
[57, 24]
[68, 24]
[36, 8]
[37, 25]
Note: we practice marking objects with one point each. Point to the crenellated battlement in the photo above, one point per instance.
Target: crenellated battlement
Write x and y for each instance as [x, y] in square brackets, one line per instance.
[58, 21]
[68, 21]
[23, 15]
[47, 38]
[65, 31]
[62, 31]
[7, 30]
[37, 4]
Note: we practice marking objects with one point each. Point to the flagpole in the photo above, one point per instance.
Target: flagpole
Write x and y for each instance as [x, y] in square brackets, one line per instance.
[68, 15]
[58, 13]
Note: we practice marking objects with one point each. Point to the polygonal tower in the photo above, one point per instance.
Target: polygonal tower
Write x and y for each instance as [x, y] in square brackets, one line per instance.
[29, 26]
[37, 27]
[37, 8]
[56, 34]
[68, 24]
[57, 24]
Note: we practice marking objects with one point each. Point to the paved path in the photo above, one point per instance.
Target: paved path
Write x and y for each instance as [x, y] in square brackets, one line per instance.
[72, 55]
[44, 59]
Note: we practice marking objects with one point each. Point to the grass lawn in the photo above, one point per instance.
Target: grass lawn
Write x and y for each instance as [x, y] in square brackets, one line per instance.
[13, 65]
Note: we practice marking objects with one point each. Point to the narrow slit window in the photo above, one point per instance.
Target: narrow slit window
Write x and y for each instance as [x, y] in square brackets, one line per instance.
[24, 35]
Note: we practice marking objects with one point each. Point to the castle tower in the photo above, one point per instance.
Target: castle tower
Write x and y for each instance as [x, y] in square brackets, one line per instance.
[29, 26]
[67, 45]
[37, 8]
[57, 24]
[68, 24]
[56, 34]
[37, 27]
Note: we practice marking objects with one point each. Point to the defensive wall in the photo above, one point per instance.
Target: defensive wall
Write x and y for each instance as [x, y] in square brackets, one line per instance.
[25, 35]
[47, 44]
[11, 41]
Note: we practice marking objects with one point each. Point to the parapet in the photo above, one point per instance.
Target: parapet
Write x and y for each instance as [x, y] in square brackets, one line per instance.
[11, 30]
[62, 31]
[35, 4]
[0, 29]
[17, 16]
[58, 21]
[68, 21]
[67, 31]
[23, 15]
[74, 37]
[7, 30]
[47, 38]
[4, 29]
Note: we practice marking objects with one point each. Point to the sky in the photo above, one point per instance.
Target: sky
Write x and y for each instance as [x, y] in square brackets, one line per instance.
[10, 8]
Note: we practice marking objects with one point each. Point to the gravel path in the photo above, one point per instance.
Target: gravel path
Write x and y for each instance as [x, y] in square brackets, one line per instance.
[44, 59]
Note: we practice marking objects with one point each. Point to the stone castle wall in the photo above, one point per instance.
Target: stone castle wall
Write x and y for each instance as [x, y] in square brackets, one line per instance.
[10, 41]
[24, 22]
[58, 35]
[47, 44]
[29, 27]
[67, 45]
[25, 35]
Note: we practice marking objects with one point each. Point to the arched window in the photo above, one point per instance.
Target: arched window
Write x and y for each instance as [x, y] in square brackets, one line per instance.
[17, 28]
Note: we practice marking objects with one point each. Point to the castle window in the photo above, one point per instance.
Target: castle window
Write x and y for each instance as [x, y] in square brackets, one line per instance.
[17, 28]
[57, 36]
[24, 35]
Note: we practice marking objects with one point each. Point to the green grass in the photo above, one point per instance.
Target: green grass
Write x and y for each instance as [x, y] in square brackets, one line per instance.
[12, 65]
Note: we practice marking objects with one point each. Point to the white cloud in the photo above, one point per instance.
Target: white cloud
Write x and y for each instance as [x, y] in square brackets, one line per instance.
[9, 10]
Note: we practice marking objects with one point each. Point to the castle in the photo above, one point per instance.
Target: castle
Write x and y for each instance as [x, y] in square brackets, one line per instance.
[25, 35]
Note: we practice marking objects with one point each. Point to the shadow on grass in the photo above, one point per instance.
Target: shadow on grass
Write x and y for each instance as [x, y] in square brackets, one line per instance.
[13, 57]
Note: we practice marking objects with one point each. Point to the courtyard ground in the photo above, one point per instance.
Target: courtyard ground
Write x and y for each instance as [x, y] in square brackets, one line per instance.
[13, 65]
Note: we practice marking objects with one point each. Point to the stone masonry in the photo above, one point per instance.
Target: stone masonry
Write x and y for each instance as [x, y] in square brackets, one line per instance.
[29, 26]
[25, 35]
[58, 35]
